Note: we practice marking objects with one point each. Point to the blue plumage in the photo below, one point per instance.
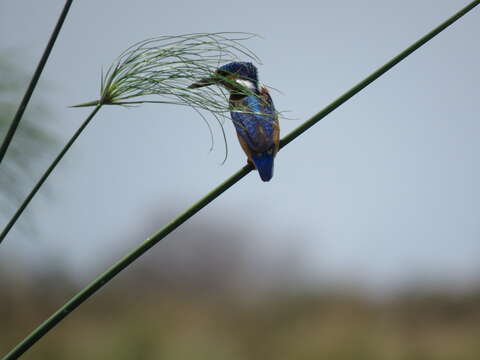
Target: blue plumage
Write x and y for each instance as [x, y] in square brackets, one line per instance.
[264, 164]
[256, 123]
[253, 113]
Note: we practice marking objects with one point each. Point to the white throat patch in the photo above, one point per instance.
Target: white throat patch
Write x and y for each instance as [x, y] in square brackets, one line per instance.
[247, 83]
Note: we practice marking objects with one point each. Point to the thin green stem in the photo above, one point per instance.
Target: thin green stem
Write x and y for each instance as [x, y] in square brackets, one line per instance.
[98, 283]
[44, 177]
[376, 74]
[162, 66]
[120, 265]
[33, 83]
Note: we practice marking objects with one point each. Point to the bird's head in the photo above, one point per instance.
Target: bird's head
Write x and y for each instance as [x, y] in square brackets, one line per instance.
[234, 76]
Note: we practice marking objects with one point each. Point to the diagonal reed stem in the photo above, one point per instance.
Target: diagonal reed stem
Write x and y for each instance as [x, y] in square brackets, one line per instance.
[46, 174]
[33, 83]
[110, 273]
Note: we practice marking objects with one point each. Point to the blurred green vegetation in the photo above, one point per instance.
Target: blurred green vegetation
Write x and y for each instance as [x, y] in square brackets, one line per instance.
[208, 292]
[166, 321]
[32, 142]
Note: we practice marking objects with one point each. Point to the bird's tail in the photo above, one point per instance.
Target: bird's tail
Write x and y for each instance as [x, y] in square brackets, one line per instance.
[264, 164]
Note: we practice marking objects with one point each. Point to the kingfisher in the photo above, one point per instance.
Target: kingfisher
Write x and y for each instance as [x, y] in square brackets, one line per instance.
[252, 111]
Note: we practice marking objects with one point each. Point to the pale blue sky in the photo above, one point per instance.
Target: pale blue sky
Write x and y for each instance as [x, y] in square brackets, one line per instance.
[383, 192]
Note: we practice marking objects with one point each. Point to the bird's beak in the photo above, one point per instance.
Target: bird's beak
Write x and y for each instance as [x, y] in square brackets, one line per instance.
[203, 82]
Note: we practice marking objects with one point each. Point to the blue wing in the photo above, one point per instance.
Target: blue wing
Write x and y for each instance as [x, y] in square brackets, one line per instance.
[256, 122]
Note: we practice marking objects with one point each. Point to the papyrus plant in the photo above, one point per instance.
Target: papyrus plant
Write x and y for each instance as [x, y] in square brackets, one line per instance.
[158, 71]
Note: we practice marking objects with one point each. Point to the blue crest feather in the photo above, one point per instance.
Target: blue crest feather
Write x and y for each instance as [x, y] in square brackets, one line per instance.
[244, 70]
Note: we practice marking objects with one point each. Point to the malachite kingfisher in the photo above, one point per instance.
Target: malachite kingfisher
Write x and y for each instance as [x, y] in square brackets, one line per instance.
[252, 112]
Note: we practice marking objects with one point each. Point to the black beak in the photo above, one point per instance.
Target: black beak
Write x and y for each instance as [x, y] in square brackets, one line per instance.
[203, 82]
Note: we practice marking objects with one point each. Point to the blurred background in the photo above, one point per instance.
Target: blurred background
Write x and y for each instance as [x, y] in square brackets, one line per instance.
[365, 244]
